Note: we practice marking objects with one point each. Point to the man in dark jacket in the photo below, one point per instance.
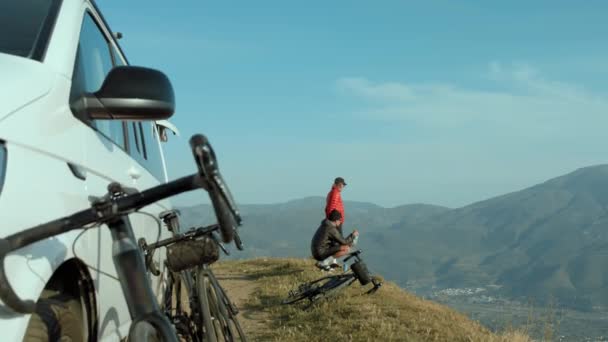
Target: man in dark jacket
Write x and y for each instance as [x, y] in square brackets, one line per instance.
[333, 200]
[328, 242]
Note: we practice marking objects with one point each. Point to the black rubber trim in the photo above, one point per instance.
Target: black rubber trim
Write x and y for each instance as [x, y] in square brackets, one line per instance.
[44, 36]
[109, 29]
[77, 171]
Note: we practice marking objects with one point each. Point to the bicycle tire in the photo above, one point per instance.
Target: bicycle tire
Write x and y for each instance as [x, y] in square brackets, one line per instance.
[230, 312]
[295, 297]
[152, 327]
[305, 290]
[236, 332]
[322, 287]
[330, 289]
[218, 311]
[208, 333]
[57, 317]
[182, 320]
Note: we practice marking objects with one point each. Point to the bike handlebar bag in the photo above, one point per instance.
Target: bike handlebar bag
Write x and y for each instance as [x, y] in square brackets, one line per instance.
[360, 270]
[191, 253]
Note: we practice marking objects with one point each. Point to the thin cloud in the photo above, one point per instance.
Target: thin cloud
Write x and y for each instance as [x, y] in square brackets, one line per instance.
[526, 103]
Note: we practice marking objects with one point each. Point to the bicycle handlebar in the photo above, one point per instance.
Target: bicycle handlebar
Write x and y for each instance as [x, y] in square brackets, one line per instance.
[189, 235]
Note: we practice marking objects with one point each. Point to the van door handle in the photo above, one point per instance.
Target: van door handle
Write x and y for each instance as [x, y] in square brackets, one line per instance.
[78, 171]
[134, 172]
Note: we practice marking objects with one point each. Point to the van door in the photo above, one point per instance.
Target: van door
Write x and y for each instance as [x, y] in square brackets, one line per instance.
[108, 159]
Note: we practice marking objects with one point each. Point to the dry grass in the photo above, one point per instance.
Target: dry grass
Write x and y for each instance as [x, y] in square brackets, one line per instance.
[391, 314]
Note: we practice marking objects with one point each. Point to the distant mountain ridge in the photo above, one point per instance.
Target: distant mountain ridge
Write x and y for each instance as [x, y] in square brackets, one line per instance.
[547, 241]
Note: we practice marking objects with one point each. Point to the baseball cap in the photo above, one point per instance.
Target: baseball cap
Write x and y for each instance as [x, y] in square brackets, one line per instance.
[339, 180]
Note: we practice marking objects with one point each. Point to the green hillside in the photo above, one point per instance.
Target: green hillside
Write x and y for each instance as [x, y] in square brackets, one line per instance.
[391, 314]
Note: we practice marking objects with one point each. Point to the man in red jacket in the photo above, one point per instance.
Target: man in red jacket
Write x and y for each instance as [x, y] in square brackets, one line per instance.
[334, 199]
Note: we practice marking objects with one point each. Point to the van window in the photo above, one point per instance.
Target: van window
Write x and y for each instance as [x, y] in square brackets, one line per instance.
[144, 147]
[26, 24]
[154, 163]
[116, 56]
[93, 63]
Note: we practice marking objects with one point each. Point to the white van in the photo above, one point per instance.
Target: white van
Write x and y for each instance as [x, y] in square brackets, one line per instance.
[56, 150]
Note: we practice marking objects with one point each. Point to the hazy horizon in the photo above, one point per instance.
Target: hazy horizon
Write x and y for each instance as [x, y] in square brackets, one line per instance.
[397, 205]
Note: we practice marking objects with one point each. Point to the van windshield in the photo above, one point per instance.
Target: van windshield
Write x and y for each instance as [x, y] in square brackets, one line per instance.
[25, 26]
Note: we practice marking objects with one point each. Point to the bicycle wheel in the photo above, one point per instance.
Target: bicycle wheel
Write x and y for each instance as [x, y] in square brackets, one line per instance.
[152, 327]
[209, 308]
[236, 332]
[322, 287]
[181, 315]
[332, 288]
[306, 290]
[234, 328]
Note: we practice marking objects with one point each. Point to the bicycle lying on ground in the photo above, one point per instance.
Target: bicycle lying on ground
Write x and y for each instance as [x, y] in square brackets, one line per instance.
[113, 210]
[210, 316]
[329, 286]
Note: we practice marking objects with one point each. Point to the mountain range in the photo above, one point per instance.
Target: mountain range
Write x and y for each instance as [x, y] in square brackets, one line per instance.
[547, 242]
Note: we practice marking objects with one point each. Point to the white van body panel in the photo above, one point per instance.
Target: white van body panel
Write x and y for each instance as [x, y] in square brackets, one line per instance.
[25, 80]
[42, 136]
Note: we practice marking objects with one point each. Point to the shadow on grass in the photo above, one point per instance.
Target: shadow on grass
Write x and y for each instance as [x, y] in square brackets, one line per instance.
[234, 277]
[275, 271]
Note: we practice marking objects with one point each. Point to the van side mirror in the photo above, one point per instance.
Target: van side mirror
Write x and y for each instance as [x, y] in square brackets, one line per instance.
[131, 93]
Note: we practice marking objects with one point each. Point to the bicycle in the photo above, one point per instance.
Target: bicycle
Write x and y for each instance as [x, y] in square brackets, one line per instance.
[209, 305]
[113, 210]
[329, 286]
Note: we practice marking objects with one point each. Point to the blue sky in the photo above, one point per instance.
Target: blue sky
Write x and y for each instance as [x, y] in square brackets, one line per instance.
[442, 102]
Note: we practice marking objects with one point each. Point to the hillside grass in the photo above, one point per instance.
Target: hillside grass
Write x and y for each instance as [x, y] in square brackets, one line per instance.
[391, 314]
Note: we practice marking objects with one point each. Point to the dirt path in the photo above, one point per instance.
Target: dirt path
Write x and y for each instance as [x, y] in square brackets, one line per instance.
[239, 289]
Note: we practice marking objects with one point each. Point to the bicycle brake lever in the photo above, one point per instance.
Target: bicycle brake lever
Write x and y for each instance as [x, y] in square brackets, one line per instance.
[148, 257]
[221, 199]
[208, 166]
[221, 185]
[237, 240]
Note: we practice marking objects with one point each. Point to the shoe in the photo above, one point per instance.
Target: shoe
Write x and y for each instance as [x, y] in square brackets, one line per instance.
[334, 265]
[322, 267]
